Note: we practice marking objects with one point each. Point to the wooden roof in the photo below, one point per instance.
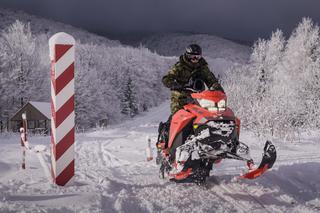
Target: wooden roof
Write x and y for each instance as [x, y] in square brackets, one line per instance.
[34, 111]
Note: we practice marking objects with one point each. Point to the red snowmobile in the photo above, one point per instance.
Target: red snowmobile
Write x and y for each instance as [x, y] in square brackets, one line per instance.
[205, 132]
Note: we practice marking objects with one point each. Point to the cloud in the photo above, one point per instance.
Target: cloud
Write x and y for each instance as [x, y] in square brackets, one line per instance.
[236, 19]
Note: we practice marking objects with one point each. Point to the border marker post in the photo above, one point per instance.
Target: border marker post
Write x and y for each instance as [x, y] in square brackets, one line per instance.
[23, 138]
[62, 56]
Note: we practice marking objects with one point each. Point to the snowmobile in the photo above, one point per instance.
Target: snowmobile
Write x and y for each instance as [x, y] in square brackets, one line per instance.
[202, 134]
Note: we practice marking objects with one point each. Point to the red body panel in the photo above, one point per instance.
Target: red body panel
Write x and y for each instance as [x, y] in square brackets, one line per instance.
[215, 96]
[179, 120]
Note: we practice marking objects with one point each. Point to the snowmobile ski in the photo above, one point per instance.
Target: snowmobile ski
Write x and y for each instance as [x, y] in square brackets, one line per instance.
[268, 159]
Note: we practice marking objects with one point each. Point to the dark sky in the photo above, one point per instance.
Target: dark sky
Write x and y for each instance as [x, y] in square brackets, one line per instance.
[244, 20]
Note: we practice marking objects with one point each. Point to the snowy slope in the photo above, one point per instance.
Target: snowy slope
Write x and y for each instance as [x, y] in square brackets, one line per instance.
[220, 53]
[112, 175]
[49, 27]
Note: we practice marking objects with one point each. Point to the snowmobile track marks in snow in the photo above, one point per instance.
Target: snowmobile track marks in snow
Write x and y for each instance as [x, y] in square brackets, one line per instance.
[108, 159]
[223, 191]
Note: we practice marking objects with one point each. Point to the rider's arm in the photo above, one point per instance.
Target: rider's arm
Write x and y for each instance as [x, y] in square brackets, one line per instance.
[170, 79]
[212, 81]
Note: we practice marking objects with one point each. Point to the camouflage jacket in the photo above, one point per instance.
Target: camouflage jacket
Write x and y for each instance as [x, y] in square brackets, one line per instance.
[183, 70]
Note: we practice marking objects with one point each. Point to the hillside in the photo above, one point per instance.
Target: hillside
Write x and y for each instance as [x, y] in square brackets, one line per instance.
[49, 27]
[220, 53]
[106, 62]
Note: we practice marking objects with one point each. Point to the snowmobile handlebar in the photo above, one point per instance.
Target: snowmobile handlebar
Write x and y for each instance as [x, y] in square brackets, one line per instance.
[189, 89]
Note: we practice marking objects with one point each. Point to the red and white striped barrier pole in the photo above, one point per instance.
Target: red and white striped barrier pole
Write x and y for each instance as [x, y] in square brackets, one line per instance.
[23, 138]
[62, 108]
[149, 150]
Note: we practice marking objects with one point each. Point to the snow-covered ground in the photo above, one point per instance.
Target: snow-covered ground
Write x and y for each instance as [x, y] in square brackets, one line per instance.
[112, 175]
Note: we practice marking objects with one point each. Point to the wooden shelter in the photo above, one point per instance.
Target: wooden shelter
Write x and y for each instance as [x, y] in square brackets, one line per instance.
[38, 116]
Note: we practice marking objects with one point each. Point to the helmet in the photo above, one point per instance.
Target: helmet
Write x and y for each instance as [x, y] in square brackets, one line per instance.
[193, 49]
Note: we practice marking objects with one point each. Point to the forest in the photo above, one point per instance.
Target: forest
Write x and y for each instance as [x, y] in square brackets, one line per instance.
[277, 92]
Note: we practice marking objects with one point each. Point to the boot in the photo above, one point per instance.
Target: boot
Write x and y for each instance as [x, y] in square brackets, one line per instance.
[163, 133]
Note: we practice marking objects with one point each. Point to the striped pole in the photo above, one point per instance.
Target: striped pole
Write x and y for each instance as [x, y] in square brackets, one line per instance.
[149, 150]
[62, 107]
[23, 137]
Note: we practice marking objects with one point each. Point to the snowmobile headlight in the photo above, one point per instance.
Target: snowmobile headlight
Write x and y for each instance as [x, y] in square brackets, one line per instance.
[209, 105]
[213, 109]
[222, 105]
[206, 103]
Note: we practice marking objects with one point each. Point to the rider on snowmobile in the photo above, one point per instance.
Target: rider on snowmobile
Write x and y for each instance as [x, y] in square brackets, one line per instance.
[190, 70]
[191, 65]
[204, 131]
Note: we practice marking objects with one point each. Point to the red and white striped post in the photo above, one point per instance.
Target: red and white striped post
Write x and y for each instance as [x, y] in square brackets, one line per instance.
[23, 138]
[62, 107]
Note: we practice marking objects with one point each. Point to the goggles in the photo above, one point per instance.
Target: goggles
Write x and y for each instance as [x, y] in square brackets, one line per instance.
[194, 57]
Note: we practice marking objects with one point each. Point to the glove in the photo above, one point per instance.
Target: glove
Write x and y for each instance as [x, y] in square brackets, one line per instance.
[176, 86]
[217, 86]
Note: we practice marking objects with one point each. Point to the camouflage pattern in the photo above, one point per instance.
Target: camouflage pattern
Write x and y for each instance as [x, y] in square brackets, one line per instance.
[182, 72]
[178, 100]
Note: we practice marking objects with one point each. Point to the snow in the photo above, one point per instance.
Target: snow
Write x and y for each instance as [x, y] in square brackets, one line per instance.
[112, 172]
[112, 175]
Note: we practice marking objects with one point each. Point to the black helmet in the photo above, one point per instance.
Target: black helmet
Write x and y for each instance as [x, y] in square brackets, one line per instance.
[193, 49]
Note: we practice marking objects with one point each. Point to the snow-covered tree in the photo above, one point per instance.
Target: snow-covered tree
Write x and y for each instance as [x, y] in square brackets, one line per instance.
[122, 75]
[280, 85]
[101, 72]
[88, 102]
[129, 99]
[20, 66]
[250, 87]
[18, 59]
[298, 64]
